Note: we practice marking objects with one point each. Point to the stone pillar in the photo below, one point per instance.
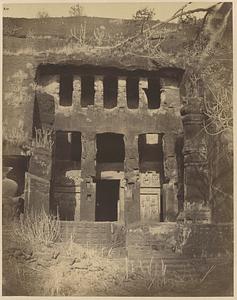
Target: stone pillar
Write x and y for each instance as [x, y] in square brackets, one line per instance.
[76, 94]
[99, 94]
[170, 188]
[38, 178]
[88, 172]
[47, 100]
[131, 173]
[196, 191]
[143, 85]
[121, 210]
[122, 96]
[170, 95]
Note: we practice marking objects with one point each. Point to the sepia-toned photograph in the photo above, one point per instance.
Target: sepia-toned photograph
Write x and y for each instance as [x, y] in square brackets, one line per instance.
[117, 149]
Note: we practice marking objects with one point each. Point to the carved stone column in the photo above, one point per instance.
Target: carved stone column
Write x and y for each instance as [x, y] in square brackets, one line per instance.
[122, 96]
[196, 191]
[143, 85]
[76, 95]
[132, 187]
[170, 188]
[38, 178]
[99, 95]
[88, 172]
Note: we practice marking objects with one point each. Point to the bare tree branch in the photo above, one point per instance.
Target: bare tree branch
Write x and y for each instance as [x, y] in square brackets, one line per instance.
[182, 8]
[202, 26]
[175, 16]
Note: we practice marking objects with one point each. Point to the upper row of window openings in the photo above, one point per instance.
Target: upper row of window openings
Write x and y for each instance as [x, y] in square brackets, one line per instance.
[110, 91]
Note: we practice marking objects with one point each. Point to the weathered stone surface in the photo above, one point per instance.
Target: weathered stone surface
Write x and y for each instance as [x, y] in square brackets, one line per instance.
[87, 208]
[41, 163]
[88, 155]
[37, 194]
[143, 86]
[99, 91]
[170, 202]
[122, 97]
[170, 97]
[132, 203]
[76, 93]
[196, 181]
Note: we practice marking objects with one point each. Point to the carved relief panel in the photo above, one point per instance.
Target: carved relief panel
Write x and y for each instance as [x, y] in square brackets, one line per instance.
[150, 196]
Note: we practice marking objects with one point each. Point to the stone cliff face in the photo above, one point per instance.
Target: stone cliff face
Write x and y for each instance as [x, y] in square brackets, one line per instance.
[30, 43]
[37, 52]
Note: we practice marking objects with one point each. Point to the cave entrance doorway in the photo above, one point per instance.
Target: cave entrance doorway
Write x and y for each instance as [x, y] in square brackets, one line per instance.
[107, 197]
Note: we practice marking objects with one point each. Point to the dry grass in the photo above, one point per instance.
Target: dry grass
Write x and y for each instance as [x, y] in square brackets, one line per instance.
[67, 268]
[37, 229]
[70, 269]
[43, 139]
[81, 271]
[25, 51]
[14, 136]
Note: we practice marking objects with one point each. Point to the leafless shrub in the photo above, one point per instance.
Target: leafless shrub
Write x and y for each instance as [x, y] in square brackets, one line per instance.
[143, 16]
[218, 109]
[42, 14]
[76, 10]
[99, 35]
[79, 34]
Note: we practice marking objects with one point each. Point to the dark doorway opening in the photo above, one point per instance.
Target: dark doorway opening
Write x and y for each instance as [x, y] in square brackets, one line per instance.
[110, 148]
[107, 196]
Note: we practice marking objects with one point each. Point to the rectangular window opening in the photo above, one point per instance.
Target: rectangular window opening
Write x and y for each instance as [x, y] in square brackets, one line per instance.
[110, 84]
[153, 93]
[132, 91]
[87, 91]
[150, 152]
[65, 89]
